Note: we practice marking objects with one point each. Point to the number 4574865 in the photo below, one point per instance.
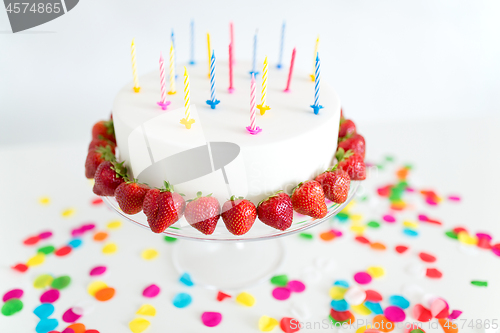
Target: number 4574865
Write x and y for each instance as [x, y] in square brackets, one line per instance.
[473, 324]
[23, 7]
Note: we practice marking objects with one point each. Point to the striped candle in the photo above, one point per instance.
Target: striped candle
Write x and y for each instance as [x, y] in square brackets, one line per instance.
[231, 88]
[263, 107]
[163, 103]
[172, 39]
[137, 88]
[212, 101]
[172, 70]
[317, 71]
[253, 129]
[254, 71]
[186, 121]
[281, 45]
[209, 53]
[290, 72]
[192, 62]
[316, 49]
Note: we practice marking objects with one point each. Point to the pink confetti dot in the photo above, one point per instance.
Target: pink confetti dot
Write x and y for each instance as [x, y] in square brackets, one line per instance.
[70, 316]
[76, 232]
[211, 319]
[496, 249]
[454, 314]
[454, 198]
[389, 218]
[14, 293]
[45, 235]
[296, 286]
[483, 235]
[281, 293]
[88, 227]
[362, 278]
[337, 233]
[151, 291]
[423, 218]
[98, 270]
[68, 330]
[50, 296]
[394, 314]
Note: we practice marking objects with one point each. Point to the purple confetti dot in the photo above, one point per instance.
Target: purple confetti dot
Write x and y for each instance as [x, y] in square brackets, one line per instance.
[50, 296]
[362, 278]
[45, 235]
[394, 314]
[389, 218]
[281, 293]
[151, 291]
[296, 286]
[98, 270]
[14, 293]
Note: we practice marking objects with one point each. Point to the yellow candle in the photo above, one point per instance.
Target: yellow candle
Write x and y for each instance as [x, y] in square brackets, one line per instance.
[137, 88]
[209, 52]
[263, 107]
[172, 70]
[316, 48]
[186, 121]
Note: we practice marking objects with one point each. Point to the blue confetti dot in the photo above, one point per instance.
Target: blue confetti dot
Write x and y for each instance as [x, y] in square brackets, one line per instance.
[374, 307]
[399, 301]
[75, 242]
[46, 325]
[186, 279]
[182, 300]
[342, 283]
[410, 232]
[44, 310]
[340, 305]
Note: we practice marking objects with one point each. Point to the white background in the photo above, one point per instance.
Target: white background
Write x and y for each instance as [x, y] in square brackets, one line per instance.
[386, 59]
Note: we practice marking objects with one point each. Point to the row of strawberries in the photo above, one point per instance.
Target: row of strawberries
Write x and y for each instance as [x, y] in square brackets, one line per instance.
[163, 207]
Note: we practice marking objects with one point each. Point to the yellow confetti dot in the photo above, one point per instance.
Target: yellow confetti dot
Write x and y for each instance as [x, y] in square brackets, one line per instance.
[348, 207]
[376, 271]
[44, 201]
[356, 217]
[149, 254]
[68, 212]
[267, 324]
[465, 238]
[358, 229]
[410, 224]
[109, 248]
[36, 260]
[362, 329]
[146, 310]
[245, 299]
[95, 286]
[337, 292]
[138, 325]
[43, 281]
[115, 224]
[361, 309]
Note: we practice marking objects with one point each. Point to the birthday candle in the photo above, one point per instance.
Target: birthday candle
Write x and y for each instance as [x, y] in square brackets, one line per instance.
[316, 47]
[163, 103]
[316, 107]
[212, 101]
[192, 62]
[231, 88]
[252, 129]
[253, 71]
[262, 106]
[137, 88]
[281, 45]
[172, 39]
[287, 89]
[209, 53]
[172, 70]
[186, 121]
[231, 33]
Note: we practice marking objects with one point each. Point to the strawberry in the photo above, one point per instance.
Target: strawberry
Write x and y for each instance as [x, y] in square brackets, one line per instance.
[238, 215]
[105, 129]
[276, 211]
[203, 213]
[101, 142]
[335, 183]
[309, 199]
[130, 196]
[347, 127]
[352, 163]
[163, 207]
[108, 177]
[354, 142]
[95, 157]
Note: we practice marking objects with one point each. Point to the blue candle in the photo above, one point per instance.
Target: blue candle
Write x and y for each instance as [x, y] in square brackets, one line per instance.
[172, 38]
[192, 62]
[212, 101]
[316, 107]
[254, 71]
[281, 45]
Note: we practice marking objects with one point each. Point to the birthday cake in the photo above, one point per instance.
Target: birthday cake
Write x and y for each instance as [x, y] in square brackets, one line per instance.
[210, 145]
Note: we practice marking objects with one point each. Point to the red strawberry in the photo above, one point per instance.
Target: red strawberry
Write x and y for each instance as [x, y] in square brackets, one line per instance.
[276, 211]
[308, 199]
[203, 213]
[347, 127]
[238, 215]
[130, 196]
[335, 183]
[102, 142]
[108, 177]
[104, 128]
[355, 142]
[163, 207]
[352, 163]
[95, 157]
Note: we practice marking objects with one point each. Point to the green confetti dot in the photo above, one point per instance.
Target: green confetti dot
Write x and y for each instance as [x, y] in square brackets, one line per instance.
[61, 282]
[408, 166]
[12, 306]
[306, 235]
[170, 239]
[417, 330]
[389, 158]
[451, 234]
[479, 283]
[280, 280]
[380, 167]
[46, 249]
[373, 224]
[342, 216]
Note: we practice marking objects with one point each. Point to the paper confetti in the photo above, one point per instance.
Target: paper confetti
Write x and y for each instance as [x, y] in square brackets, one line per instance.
[280, 280]
[151, 291]
[61, 282]
[373, 296]
[149, 254]
[337, 292]
[245, 299]
[77, 328]
[105, 294]
[375, 271]
[138, 325]
[399, 301]
[433, 273]
[267, 324]
[63, 251]
[100, 236]
[68, 212]
[222, 296]
[115, 224]
[14, 293]
[98, 270]
[12, 306]
[186, 280]
[43, 281]
[361, 309]
[340, 305]
[95, 286]
[147, 310]
[281, 293]
[374, 307]
[211, 319]
[383, 324]
[401, 249]
[50, 296]
[46, 325]
[182, 300]
[44, 310]
[479, 283]
[44, 201]
[36, 260]
[296, 286]
[109, 248]
[421, 313]
[362, 278]
[48, 249]
[289, 325]
[70, 316]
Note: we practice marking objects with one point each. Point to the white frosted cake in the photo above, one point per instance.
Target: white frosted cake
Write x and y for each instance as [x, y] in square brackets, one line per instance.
[217, 155]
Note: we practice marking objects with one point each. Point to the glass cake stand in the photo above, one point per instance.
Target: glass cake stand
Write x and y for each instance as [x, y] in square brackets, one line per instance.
[223, 261]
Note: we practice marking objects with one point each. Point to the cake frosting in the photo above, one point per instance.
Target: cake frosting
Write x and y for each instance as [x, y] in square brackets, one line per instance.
[217, 155]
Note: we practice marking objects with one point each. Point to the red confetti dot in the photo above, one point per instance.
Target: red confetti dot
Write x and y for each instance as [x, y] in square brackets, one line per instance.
[434, 221]
[31, 240]
[401, 248]
[484, 243]
[459, 229]
[96, 201]
[289, 325]
[65, 250]
[340, 315]
[421, 314]
[91, 331]
[426, 257]
[222, 296]
[433, 273]
[384, 191]
[362, 240]
[373, 296]
[20, 268]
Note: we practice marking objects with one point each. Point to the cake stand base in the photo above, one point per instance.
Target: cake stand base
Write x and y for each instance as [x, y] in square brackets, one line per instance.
[228, 266]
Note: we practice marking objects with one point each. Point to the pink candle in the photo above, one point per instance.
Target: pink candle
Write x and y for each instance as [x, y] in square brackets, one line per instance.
[252, 129]
[290, 71]
[231, 29]
[163, 103]
[231, 88]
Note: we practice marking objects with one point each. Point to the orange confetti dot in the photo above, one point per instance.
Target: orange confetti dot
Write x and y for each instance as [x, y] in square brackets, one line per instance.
[105, 294]
[100, 236]
[327, 236]
[378, 246]
[381, 323]
[398, 205]
[448, 326]
[402, 173]
[77, 328]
